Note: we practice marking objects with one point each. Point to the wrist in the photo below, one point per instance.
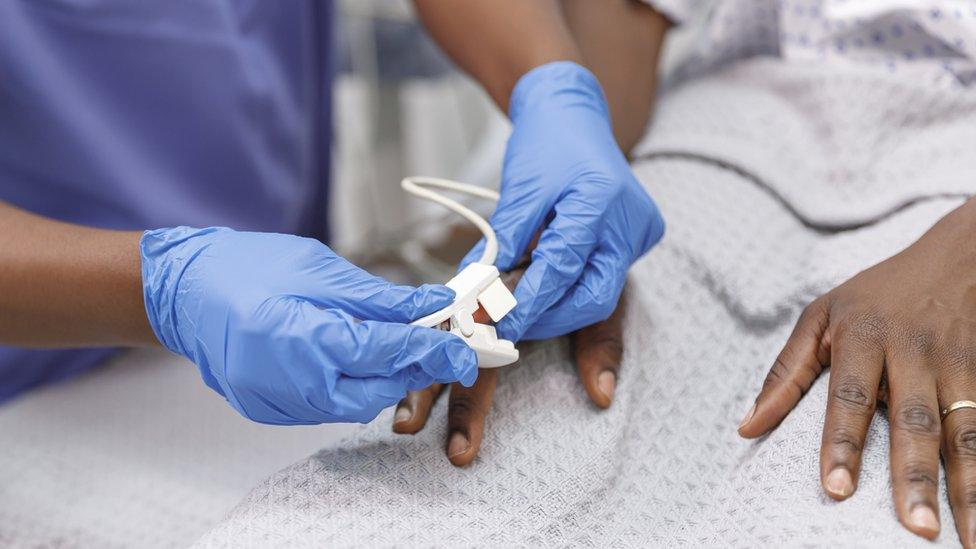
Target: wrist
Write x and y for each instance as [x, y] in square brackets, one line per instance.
[166, 255]
[962, 223]
[957, 226]
[967, 214]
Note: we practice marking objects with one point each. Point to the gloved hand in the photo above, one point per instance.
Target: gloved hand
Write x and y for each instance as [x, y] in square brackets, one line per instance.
[564, 169]
[273, 323]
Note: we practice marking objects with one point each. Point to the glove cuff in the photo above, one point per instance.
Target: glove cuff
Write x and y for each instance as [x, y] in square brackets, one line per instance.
[165, 254]
[559, 83]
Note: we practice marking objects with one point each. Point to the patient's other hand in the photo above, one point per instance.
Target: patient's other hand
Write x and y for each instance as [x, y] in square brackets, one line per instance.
[597, 348]
[903, 332]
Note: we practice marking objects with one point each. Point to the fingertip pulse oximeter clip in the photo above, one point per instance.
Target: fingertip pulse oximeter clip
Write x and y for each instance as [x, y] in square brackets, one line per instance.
[478, 284]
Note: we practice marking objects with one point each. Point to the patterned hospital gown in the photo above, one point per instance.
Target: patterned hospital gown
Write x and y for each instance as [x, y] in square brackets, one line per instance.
[934, 40]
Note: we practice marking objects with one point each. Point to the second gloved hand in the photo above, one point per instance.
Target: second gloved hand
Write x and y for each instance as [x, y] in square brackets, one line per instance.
[564, 173]
[291, 333]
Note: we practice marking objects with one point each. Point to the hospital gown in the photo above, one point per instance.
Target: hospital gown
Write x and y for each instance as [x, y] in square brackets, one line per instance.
[780, 176]
[932, 40]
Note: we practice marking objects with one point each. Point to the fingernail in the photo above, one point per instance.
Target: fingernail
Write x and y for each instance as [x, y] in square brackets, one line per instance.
[839, 482]
[607, 382]
[923, 518]
[749, 414]
[458, 444]
[403, 413]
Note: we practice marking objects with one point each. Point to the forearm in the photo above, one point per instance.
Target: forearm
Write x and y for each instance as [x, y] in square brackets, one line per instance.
[67, 285]
[621, 41]
[497, 41]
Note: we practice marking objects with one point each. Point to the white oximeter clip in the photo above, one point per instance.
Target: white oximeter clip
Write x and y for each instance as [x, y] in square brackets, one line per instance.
[478, 284]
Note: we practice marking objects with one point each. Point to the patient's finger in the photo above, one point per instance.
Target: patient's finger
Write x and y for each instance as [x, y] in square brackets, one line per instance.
[468, 406]
[795, 369]
[959, 452]
[412, 412]
[855, 373]
[913, 416]
[467, 409]
[598, 349]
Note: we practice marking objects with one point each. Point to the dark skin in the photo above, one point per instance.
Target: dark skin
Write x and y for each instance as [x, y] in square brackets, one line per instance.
[902, 332]
[620, 42]
[65, 285]
[497, 41]
[598, 350]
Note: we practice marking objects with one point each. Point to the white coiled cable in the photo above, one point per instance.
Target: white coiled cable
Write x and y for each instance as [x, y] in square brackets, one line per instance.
[420, 186]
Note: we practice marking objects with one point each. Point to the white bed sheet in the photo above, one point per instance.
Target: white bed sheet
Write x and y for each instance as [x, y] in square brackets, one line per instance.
[139, 453]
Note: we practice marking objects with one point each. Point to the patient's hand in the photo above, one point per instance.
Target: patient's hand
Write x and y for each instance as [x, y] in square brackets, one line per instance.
[904, 332]
[598, 349]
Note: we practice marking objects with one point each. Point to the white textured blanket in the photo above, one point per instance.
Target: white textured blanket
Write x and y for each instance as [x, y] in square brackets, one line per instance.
[791, 212]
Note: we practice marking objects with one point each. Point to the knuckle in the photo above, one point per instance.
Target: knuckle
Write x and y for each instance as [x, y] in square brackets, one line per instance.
[958, 360]
[918, 419]
[865, 327]
[779, 374]
[461, 406]
[969, 495]
[920, 341]
[847, 441]
[611, 353]
[779, 370]
[612, 345]
[916, 474]
[962, 441]
[594, 348]
[854, 395]
[814, 309]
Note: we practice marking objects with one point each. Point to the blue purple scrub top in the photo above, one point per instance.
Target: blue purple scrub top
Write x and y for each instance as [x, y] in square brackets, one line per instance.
[135, 115]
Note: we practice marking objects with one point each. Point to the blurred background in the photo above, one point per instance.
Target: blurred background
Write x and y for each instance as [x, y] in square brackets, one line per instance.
[401, 109]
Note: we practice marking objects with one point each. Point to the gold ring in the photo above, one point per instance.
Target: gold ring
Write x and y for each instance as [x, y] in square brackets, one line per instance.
[956, 406]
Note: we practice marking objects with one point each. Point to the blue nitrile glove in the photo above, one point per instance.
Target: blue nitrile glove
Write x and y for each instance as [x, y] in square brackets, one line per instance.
[564, 170]
[273, 323]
